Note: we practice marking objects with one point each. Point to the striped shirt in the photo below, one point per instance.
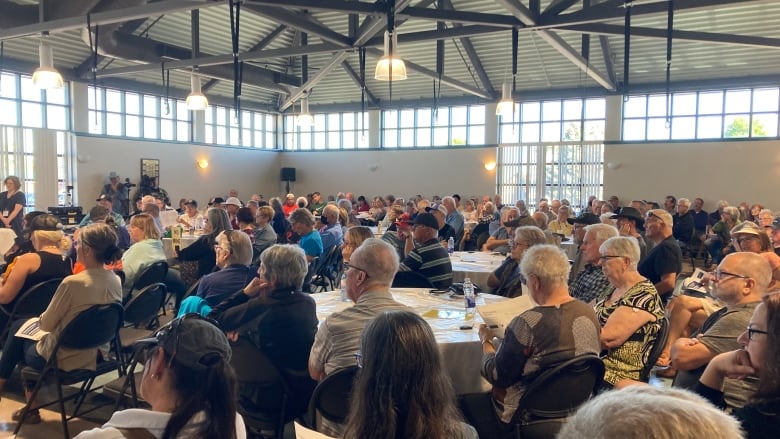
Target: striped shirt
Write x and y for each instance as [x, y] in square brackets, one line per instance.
[432, 261]
[338, 337]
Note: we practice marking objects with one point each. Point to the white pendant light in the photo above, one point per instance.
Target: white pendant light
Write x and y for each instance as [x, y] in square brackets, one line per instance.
[506, 105]
[304, 118]
[46, 76]
[390, 67]
[196, 100]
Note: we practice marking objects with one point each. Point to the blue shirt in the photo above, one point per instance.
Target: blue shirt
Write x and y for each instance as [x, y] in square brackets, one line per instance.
[331, 235]
[311, 244]
[217, 286]
[455, 220]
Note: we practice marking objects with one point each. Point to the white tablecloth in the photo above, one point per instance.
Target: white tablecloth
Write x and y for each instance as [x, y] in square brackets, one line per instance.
[477, 266]
[186, 241]
[460, 348]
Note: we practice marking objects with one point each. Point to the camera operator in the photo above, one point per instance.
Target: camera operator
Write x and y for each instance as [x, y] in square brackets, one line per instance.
[118, 192]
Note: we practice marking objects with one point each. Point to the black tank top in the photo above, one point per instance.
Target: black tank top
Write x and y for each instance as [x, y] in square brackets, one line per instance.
[52, 266]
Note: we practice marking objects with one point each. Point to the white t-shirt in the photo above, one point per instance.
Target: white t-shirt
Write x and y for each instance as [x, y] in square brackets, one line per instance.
[155, 422]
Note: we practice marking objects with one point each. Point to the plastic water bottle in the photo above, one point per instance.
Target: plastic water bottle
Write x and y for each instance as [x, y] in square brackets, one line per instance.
[343, 287]
[451, 245]
[468, 294]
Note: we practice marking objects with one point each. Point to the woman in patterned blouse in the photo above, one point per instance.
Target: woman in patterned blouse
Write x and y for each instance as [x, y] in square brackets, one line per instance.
[629, 315]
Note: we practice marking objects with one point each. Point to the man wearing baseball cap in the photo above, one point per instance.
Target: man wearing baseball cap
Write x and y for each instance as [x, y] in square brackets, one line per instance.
[424, 253]
[104, 201]
[664, 261]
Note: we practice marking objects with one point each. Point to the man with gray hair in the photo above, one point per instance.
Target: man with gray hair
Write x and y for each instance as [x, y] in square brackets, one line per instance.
[682, 229]
[370, 273]
[590, 283]
[558, 329]
[454, 218]
[649, 411]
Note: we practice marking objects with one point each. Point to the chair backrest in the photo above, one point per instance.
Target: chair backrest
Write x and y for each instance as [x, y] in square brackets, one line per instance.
[93, 327]
[411, 279]
[332, 395]
[262, 387]
[655, 352]
[558, 391]
[313, 267]
[35, 299]
[152, 274]
[146, 304]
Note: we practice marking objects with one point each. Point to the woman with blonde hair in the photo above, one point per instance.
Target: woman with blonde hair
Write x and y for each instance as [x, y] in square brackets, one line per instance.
[145, 250]
[47, 262]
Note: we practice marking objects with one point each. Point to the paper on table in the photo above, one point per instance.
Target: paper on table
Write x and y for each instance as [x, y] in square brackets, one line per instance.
[501, 313]
[168, 218]
[445, 314]
[302, 432]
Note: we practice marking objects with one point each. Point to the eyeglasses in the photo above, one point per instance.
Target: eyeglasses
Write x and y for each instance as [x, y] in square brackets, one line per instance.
[348, 267]
[605, 257]
[751, 332]
[720, 274]
[746, 238]
[514, 244]
[359, 359]
[229, 248]
[172, 330]
[651, 215]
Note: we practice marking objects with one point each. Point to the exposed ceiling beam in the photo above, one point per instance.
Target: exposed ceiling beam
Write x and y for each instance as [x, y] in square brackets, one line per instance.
[463, 17]
[473, 56]
[611, 10]
[556, 7]
[527, 17]
[323, 5]
[356, 79]
[86, 66]
[432, 35]
[259, 46]
[609, 61]
[706, 37]
[222, 59]
[375, 25]
[321, 74]
[107, 17]
[454, 83]
[302, 23]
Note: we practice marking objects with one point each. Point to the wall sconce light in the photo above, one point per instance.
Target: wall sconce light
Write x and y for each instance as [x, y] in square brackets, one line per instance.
[613, 165]
[203, 163]
[490, 166]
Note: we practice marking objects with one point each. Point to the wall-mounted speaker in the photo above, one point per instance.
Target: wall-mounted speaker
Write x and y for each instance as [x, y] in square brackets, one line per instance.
[287, 174]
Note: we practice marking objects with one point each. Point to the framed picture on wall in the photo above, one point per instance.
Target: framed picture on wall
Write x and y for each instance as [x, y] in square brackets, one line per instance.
[150, 168]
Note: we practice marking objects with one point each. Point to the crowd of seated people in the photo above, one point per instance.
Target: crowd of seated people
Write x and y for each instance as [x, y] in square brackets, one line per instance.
[627, 268]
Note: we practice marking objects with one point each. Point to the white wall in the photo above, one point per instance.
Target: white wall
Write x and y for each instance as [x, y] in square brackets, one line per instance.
[731, 170]
[248, 171]
[402, 173]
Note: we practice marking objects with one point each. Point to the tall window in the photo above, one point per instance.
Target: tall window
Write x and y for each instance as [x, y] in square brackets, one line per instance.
[347, 130]
[252, 129]
[552, 149]
[130, 114]
[24, 104]
[424, 128]
[713, 114]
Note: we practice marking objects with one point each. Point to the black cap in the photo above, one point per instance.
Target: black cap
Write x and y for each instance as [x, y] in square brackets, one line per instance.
[104, 197]
[584, 218]
[426, 219]
[193, 341]
[216, 200]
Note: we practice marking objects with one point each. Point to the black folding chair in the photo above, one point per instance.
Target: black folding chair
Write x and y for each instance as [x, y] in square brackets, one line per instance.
[331, 397]
[655, 352]
[152, 274]
[141, 312]
[92, 328]
[555, 394]
[263, 391]
[31, 303]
